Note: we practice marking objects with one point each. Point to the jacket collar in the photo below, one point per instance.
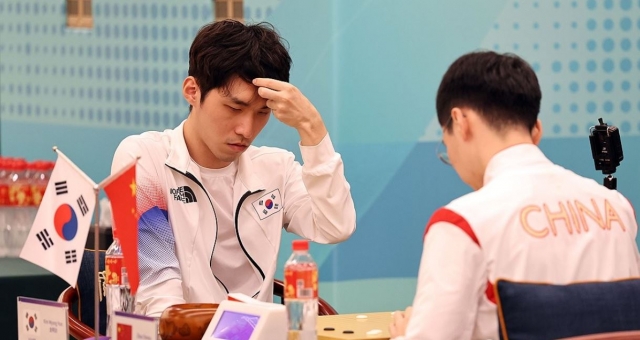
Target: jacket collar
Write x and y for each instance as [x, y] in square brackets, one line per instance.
[180, 160]
[514, 157]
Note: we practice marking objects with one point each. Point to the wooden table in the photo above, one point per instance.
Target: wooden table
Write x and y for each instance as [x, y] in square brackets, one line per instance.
[360, 324]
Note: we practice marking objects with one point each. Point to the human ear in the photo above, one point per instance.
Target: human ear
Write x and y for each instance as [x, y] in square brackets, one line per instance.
[191, 91]
[462, 122]
[536, 132]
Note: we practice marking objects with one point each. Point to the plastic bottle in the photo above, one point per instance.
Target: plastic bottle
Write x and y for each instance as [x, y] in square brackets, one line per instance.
[19, 186]
[49, 165]
[4, 204]
[118, 290]
[301, 292]
[39, 175]
[20, 201]
[4, 184]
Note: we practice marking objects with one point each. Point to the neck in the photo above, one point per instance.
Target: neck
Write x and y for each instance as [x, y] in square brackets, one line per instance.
[198, 150]
[493, 143]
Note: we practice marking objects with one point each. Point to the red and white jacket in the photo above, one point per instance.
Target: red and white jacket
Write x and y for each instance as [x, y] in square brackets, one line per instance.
[531, 221]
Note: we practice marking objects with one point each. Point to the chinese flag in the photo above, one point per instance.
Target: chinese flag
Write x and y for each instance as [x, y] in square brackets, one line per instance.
[124, 332]
[121, 190]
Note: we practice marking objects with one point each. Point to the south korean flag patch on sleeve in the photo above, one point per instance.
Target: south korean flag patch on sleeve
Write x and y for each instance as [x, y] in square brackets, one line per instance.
[269, 204]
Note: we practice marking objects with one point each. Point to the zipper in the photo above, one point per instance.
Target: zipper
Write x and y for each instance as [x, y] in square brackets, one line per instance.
[253, 262]
[195, 180]
[223, 285]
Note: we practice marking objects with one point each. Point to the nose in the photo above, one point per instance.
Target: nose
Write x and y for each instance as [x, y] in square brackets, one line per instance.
[244, 126]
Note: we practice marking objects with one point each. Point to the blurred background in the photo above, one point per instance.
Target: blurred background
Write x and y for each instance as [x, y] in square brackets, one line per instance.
[84, 74]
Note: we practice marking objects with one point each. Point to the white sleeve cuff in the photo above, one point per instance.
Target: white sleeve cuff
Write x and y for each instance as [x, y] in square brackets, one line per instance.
[317, 154]
[153, 300]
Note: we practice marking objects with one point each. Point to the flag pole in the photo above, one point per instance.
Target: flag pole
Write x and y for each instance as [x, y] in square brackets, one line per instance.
[96, 218]
[115, 175]
[96, 258]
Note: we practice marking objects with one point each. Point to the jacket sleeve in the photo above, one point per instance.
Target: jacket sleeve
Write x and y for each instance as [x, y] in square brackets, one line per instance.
[160, 278]
[451, 280]
[633, 233]
[318, 203]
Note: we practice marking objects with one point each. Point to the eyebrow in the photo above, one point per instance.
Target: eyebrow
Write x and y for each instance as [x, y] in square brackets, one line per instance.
[241, 102]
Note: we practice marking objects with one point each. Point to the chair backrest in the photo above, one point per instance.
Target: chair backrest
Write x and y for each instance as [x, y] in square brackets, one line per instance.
[545, 311]
[86, 291]
[324, 308]
[630, 335]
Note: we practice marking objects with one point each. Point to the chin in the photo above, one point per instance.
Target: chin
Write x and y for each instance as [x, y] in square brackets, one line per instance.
[230, 159]
[475, 185]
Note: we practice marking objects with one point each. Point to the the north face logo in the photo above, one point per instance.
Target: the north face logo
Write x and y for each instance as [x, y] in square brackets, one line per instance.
[184, 194]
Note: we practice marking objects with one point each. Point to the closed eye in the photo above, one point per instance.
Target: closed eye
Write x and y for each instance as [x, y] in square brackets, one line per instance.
[234, 108]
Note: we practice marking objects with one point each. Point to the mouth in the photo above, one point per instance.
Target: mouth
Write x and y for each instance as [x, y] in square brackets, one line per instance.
[238, 147]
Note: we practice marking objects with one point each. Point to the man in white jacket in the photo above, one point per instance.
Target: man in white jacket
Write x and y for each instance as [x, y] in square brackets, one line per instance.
[527, 219]
[212, 206]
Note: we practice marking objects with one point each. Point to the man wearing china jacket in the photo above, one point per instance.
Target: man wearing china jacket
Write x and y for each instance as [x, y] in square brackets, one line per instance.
[527, 219]
[212, 206]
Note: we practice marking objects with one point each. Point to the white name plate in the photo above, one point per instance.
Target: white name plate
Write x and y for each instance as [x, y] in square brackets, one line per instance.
[42, 319]
[128, 326]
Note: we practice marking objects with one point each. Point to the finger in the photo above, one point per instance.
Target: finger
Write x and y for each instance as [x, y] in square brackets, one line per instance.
[270, 83]
[393, 331]
[268, 93]
[409, 311]
[397, 317]
[272, 104]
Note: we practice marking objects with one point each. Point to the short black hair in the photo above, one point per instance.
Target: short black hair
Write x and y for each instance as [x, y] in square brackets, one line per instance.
[502, 88]
[228, 48]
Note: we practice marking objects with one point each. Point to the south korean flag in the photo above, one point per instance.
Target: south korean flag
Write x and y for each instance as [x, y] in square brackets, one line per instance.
[269, 204]
[59, 232]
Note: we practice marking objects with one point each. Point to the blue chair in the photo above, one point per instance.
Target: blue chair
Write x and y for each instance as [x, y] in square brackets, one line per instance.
[546, 311]
[81, 298]
[626, 335]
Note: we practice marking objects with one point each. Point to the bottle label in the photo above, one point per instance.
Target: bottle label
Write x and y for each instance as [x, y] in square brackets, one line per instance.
[301, 283]
[4, 194]
[37, 192]
[113, 270]
[20, 195]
